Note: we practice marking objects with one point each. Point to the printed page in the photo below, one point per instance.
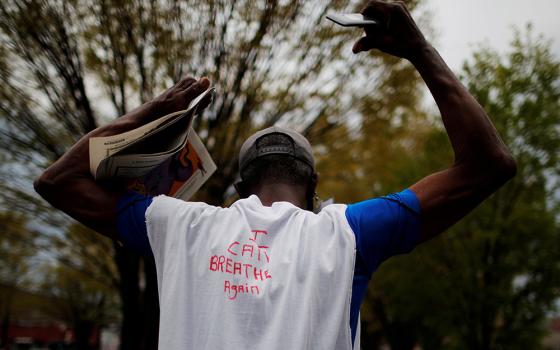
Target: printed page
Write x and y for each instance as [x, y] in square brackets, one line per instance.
[136, 165]
[202, 164]
[101, 148]
[181, 175]
[130, 166]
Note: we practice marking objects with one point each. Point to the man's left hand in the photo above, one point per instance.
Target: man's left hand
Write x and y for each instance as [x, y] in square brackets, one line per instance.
[397, 34]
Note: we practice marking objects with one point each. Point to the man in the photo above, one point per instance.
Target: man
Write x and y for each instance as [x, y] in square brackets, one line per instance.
[266, 273]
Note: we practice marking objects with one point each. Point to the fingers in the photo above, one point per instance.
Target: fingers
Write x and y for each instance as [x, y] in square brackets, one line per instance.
[396, 34]
[180, 95]
[361, 45]
[379, 11]
[195, 89]
[205, 102]
[204, 84]
[369, 42]
[182, 84]
[185, 82]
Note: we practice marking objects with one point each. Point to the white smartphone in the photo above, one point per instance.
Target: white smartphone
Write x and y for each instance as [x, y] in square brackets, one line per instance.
[351, 19]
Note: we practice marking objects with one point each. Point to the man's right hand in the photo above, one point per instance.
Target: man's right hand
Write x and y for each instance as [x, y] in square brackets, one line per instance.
[397, 34]
[68, 184]
[174, 99]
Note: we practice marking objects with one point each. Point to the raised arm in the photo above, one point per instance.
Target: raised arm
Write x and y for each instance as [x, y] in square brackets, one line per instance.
[68, 184]
[482, 161]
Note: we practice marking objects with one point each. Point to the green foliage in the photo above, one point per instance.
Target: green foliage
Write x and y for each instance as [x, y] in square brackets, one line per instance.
[17, 247]
[381, 138]
[79, 299]
[87, 254]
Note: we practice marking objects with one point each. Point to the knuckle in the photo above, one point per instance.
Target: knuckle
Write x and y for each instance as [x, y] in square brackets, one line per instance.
[400, 4]
[186, 82]
[372, 4]
[190, 93]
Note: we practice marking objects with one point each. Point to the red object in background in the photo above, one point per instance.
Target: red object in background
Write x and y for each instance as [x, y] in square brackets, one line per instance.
[47, 334]
[555, 325]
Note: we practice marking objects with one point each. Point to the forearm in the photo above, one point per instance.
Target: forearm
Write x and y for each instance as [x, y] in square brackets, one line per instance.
[75, 162]
[482, 161]
[69, 186]
[472, 135]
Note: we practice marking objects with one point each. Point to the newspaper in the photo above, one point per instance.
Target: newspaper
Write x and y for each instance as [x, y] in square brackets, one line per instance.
[164, 156]
[180, 175]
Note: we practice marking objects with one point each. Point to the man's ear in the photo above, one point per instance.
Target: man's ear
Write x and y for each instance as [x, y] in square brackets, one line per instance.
[241, 188]
[314, 182]
[311, 191]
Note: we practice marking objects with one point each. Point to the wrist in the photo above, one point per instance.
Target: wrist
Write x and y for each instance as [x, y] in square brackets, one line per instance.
[422, 54]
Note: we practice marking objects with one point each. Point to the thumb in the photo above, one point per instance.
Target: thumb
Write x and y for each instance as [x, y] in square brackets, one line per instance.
[204, 82]
[363, 44]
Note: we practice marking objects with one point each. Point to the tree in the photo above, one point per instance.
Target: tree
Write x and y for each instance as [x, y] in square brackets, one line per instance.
[490, 282]
[69, 66]
[17, 246]
[82, 301]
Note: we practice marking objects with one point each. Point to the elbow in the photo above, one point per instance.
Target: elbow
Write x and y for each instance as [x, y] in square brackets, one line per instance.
[498, 170]
[44, 185]
[40, 184]
[491, 172]
[506, 167]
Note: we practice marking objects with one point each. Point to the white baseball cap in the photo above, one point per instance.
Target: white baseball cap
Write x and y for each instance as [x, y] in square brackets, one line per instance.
[299, 149]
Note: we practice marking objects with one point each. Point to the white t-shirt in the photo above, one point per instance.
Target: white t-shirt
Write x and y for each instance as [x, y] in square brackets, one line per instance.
[251, 276]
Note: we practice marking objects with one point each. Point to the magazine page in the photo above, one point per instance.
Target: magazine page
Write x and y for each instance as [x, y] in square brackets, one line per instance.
[172, 125]
[181, 175]
[164, 144]
[104, 147]
[129, 166]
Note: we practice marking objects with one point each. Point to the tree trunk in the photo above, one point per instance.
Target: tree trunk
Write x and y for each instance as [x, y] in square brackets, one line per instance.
[140, 308]
[5, 329]
[128, 265]
[6, 318]
[151, 306]
[82, 333]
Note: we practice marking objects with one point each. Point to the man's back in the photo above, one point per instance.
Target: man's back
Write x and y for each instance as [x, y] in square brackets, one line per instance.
[252, 276]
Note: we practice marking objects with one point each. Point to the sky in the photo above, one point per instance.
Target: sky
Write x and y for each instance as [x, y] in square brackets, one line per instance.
[461, 25]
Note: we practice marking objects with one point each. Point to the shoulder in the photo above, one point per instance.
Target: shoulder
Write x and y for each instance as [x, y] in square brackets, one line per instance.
[334, 213]
[385, 226]
[164, 206]
[385, 206]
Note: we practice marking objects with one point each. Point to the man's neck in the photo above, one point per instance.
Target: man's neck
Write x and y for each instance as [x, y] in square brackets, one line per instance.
[279, 192]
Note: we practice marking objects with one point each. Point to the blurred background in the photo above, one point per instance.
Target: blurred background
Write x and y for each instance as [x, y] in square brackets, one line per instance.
[67, 67]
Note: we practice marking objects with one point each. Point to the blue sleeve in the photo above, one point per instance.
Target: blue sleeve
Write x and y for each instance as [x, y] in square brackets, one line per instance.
[385, 226]
[131, 222]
